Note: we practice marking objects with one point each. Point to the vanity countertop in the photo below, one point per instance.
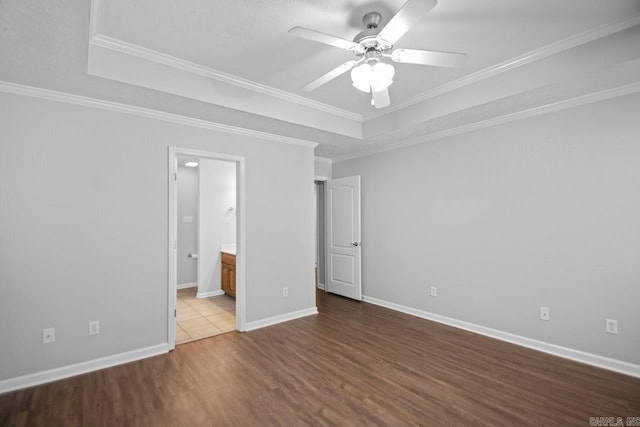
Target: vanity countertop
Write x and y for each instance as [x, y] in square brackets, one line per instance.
[228, 248]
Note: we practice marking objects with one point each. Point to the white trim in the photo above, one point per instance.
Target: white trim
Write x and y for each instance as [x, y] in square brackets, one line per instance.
[42, 377]
[321, 286]
[565, 352]
[257, 324]
[210, 294]
[590, 98]
[518, 61]
[94, 18]
[97, 39]
[180, 64]
[187, 285]
[68, 98]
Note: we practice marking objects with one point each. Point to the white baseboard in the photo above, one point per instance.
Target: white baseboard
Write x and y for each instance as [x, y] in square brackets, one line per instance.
[322, 286]
[568, 353]
[250, 326]
[209, 294]
[42, 377]
[187, 285]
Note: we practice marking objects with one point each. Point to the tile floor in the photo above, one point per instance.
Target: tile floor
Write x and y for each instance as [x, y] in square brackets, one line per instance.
[203, 317]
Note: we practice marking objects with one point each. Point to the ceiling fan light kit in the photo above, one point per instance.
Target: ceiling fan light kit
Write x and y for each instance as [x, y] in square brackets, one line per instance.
[368, 72]
[373, 77]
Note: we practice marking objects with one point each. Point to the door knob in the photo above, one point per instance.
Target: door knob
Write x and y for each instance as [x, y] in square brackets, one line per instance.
[356, 244]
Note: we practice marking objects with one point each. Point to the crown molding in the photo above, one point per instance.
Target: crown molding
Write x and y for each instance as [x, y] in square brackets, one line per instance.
[97, 39]
[160, 58]
[35, 92]
[518, 61]
[520, 115]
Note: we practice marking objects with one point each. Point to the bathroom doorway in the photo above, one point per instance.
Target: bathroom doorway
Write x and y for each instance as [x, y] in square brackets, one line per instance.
[205, 286]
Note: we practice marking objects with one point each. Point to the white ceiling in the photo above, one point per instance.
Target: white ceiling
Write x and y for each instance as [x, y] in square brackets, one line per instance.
[248, 38]
[232, 62]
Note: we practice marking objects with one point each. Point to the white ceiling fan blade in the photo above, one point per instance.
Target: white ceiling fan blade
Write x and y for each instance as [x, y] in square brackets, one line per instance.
[429, 57]
[329, 76]
[408, 16]
[381, 98]
[319, 37]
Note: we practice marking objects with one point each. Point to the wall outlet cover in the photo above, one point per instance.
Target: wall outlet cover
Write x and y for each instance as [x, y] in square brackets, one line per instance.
[94, 327]
[544, 313]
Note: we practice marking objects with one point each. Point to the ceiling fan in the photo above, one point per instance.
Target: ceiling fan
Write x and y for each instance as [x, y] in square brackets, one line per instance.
[369, 71]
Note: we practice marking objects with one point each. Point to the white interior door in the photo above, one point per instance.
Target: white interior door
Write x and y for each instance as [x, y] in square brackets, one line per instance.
[344, 269]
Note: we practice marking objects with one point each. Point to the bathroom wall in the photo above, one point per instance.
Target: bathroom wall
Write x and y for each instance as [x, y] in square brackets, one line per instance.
[217, 224]
[187, 225]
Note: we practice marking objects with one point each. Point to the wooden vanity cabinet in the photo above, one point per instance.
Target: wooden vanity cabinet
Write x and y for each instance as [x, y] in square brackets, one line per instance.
[229, 274]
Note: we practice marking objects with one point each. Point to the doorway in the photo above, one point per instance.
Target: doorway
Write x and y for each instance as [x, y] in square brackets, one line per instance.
[206, 205]
[343, 275]
[320, 234]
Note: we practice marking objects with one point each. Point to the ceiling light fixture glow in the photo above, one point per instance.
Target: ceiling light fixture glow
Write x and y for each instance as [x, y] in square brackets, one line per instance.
[372, 77]
[191, 164]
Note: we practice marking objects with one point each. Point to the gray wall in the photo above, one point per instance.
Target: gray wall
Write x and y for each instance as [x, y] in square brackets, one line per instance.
[187, 231]
[322, 167]
[84, 233]
[217, 186]
[539, 212]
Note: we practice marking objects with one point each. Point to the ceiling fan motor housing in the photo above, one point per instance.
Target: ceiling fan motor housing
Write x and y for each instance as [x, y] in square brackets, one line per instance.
[371, 20]
[368, 38]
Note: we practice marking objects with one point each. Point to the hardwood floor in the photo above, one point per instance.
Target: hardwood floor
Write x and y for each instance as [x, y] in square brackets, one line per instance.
[353, 364]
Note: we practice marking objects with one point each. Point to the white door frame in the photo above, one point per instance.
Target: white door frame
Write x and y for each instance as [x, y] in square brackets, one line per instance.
[323, 179]
[173, 235]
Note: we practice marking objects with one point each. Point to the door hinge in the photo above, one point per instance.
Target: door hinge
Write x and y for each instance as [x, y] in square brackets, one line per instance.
[175, 312]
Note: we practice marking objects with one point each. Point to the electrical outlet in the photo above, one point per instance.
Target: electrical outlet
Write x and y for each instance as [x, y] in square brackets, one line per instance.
[285, 292]
[544, 313]
[612, 326]
[434, 291]
[48, 335]
[94, 327]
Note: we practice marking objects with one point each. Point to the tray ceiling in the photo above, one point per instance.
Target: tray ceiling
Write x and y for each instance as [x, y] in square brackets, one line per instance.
[261, 69]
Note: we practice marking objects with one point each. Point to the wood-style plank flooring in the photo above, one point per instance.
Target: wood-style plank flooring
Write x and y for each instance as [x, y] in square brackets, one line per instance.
[353, 364]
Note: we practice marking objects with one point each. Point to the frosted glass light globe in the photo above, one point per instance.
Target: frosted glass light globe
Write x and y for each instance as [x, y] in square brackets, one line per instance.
[377, 76]
[361, 77]
[382, 76]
